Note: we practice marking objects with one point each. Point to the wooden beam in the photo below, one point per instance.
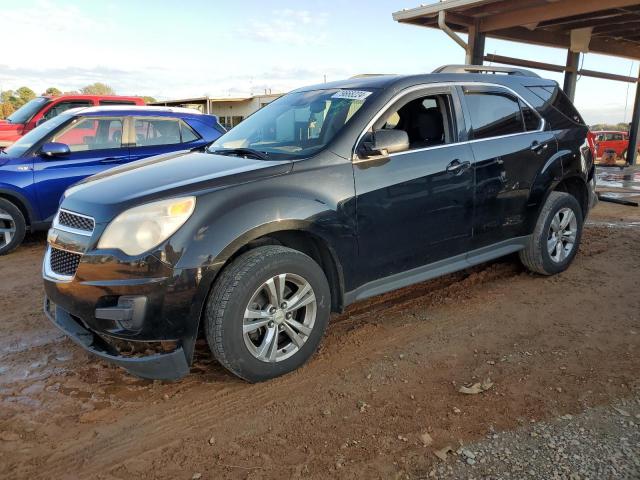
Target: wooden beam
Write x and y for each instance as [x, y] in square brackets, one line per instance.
[617, 30]
[433, 9]
[549, 11]
[587, 20]
[552, 67]
[606, 46]
[607, 76]
[518, 62]
[617, 48]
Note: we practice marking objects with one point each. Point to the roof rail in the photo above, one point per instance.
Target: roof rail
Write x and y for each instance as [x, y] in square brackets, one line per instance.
[485, 69]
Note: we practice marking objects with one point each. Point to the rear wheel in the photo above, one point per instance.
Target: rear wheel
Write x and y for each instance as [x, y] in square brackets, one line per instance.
[556, 238]
[267, 312]
[12, 226]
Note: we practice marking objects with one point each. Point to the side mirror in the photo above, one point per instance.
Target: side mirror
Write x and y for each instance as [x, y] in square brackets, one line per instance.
[54, 149]
[385, 142]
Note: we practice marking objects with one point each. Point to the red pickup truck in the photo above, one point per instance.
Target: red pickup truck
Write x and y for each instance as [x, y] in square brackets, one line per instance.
[41, 109]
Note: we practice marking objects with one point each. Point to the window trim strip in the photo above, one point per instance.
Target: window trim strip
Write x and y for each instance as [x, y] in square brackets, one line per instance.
[422, 86]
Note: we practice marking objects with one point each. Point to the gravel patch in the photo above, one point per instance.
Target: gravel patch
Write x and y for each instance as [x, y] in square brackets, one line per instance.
[601, 443]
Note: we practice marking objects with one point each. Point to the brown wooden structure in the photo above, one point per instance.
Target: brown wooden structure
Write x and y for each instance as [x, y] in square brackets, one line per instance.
[608, 27]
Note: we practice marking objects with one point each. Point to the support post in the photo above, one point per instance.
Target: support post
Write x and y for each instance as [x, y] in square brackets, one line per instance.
[634, 130]
[571, 74]
[475, 53]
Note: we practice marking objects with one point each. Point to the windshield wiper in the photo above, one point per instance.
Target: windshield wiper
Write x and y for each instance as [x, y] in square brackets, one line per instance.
[242, 152]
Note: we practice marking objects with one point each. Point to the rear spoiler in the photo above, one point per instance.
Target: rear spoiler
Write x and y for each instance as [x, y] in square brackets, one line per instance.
[212, 121]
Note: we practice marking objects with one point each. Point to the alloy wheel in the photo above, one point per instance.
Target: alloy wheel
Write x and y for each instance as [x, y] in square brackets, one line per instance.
[7, 228]
[279, 317]
[562, 235]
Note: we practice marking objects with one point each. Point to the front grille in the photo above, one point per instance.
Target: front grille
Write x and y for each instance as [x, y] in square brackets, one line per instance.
[63, 262]
[68, 219]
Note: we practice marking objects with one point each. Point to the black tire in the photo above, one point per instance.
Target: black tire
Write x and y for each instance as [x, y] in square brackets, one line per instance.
[18, 222]
[536, 256]
[230, 297]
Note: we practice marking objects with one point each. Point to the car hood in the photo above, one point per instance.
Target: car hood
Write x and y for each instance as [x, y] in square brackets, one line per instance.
[105, 195]
[10, 130]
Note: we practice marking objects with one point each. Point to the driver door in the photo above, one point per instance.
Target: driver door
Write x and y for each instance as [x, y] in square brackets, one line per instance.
[95, 143]
[416, 207]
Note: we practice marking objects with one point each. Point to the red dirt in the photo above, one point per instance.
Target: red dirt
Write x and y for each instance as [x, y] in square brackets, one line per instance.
[388, 370]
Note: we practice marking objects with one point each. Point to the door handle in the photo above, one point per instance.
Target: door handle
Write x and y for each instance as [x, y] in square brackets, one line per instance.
[538, 147]
[456, 167]
[111, 160]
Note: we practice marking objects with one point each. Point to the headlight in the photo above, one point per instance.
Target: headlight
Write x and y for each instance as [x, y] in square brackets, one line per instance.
[139, 229]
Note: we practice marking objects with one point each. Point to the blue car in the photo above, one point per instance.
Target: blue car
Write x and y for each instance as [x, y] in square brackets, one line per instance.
[37, 169]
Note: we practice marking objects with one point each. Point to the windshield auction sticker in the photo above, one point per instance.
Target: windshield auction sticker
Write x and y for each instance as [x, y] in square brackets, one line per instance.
[351, 94]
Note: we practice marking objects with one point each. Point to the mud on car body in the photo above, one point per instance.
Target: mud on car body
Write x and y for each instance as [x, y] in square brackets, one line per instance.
[329, 195]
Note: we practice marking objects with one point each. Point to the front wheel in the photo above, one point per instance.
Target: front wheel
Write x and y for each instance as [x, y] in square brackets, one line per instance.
[556, 238]
[12, 226]
[267, 312]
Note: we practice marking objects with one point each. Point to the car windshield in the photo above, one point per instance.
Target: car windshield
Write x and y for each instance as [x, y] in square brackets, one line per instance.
[294, 126]
[34, 136]
[28, 110]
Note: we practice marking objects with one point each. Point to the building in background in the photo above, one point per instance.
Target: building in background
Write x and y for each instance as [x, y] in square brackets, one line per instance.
[230, 111]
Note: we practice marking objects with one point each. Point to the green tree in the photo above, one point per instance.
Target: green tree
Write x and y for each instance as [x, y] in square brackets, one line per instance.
[6, 96]
[53, 91]
[98, 89]
[6, 109]
[148, 99]
[26, 94]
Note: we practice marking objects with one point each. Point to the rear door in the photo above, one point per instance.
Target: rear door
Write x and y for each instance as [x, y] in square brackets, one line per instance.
[510, 147]
[96, 144]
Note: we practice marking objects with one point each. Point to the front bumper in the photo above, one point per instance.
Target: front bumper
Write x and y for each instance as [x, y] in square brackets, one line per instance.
[112, 305]
[160, 366]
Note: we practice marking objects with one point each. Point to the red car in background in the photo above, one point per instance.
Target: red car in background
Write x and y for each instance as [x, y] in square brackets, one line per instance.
[611, 141]
[44, 108]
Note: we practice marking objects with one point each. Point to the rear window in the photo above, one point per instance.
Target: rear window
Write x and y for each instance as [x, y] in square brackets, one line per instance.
[562, 114]
[163, 131]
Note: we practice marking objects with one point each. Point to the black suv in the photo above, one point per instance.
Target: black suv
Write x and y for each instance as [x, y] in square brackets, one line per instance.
[329, 195]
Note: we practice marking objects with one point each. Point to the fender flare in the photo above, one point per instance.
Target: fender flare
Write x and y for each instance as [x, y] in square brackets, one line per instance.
[22, 201]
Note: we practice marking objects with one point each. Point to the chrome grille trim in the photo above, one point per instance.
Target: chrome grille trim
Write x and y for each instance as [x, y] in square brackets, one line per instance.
[60, 265]
[73, 222]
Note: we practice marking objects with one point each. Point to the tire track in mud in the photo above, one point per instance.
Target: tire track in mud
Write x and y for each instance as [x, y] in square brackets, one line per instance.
[224, 403]
[228, 404]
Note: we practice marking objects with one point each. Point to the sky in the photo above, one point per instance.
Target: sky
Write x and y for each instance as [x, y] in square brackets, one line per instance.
[180, 49]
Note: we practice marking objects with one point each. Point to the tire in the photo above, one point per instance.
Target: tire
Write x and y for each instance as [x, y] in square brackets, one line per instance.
[245, 283]
[538, 256]
[12, 226]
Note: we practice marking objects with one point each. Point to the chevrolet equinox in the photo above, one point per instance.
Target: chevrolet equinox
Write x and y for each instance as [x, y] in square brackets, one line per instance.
[329, 195]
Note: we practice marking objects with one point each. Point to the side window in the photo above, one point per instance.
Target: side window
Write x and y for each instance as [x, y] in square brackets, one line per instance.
[187, 133]
[87, 134]
[493, 114]
[426, 119]
[155, 131]
[63, 106]
[617, 136]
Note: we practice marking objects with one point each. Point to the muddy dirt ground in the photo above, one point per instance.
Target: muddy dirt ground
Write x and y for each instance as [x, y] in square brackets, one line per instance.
[388, 371]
